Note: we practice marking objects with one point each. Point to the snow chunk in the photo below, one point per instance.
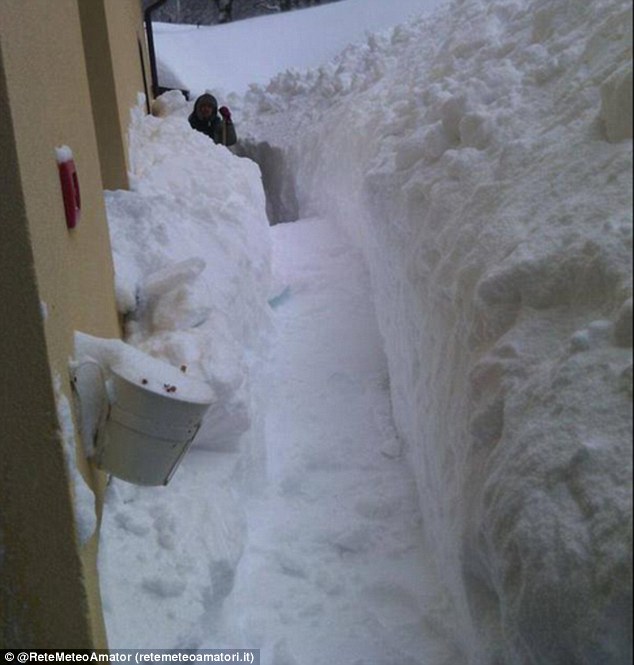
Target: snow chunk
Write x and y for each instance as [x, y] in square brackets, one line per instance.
[83, 496]
[172, 101]
[63, 154]
[170, 278]
[137, 367]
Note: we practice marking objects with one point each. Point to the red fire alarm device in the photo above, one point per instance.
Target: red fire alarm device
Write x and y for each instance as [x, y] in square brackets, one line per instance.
[70, 185]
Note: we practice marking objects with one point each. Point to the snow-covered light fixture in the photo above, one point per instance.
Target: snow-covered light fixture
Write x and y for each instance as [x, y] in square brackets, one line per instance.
[138, 415]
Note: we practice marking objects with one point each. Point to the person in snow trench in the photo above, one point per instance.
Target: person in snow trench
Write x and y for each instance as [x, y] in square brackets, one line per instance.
[205, 119]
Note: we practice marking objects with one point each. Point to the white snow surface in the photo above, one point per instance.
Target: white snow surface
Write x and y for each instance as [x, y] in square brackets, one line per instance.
[480, 161]
[230, 58]
[335, 568]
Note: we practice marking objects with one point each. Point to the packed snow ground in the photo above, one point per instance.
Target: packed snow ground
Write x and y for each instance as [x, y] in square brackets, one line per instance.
[481, 162]
[334, 568]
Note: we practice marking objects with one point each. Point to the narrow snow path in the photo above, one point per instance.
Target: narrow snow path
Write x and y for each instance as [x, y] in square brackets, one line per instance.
[334, 569]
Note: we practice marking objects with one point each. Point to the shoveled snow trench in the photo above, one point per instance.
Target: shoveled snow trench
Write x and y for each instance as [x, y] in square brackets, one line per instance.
[334, 568]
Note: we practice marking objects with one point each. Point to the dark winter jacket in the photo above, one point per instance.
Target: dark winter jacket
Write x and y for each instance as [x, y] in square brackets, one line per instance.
[216, 128]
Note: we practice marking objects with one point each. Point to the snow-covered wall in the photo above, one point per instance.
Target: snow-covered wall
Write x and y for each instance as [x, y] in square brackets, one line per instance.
[482, 158]
[192, 260]
[191, 252]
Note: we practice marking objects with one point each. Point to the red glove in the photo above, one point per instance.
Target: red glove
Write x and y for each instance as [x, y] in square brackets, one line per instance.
[225, 113]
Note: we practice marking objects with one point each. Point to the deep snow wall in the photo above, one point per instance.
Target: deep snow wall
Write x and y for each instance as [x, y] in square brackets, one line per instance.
[482, 159]
[192, 260]
[191, 250]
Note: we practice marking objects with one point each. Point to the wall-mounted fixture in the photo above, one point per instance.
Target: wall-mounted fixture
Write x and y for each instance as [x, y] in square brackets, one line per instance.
[70, 185]
[138, 415]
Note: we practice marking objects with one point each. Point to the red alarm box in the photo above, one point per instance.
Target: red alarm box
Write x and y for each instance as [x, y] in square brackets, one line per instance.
[70, 189]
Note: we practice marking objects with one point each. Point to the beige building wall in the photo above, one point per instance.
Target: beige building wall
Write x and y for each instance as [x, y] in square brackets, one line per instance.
[53, 281]
[114, 44]
[129, 56]
[40, 566]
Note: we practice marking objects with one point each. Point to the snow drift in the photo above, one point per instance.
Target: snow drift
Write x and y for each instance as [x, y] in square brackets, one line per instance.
[192, 274]
[192, 260]
[482, 160]
[196, 57]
